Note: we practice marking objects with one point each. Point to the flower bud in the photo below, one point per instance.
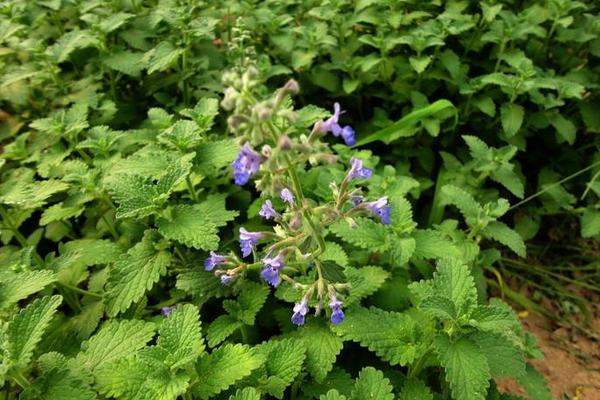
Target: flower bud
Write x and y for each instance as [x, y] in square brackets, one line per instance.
[229, 100]
[291, 86]
[235, 121]
[263, 112]
[296, 222]
[266, 151]
[285, 143]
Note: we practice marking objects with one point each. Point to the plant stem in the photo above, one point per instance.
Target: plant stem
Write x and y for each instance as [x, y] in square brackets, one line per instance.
[191, 189]
[244, 333]
[110, 227]
[20, 379]
[79, 290]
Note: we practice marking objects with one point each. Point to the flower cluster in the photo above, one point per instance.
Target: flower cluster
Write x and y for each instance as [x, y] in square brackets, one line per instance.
[297, 240]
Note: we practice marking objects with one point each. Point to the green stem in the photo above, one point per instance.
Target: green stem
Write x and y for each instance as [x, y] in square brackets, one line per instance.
[191, 189]
[20, 379]
[533, 196]
[79, 290]
[110, 226]
[244, 333]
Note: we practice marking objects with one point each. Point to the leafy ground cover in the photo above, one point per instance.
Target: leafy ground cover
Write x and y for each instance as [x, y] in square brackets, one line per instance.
[294, 199]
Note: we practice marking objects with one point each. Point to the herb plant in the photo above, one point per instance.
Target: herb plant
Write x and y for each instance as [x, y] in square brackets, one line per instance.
[292, 199]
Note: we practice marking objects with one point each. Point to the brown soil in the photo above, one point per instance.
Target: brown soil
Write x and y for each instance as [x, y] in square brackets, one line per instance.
[572, 360]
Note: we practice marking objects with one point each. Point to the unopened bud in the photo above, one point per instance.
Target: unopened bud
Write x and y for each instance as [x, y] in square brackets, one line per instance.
[285, 143]
[263, 113]
[235, 121]
[266, 151]
[296, 222]
[229, 100]
[291, 86]
[351, 222]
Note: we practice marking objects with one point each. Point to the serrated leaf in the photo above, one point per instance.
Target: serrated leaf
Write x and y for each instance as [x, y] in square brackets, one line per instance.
[452, 279]
[465, 366]
[371, 384]
[495, 318]
[433, 244]
[221, 328]
[322, 347]
[249, 302]
[590, 223]
[284, 359]
[414, 389]
[201, 285]
[71, 41]
[26, 329]
[115, 340]
[504, 358]
[334, 252]
[332, 395]
[179, 335]
[535, 384]
[19, 286]
[58, 382]
[127, 62]
[161, 57]
[438, 307]
[135, 272]
[511, 116]
[248, 393]
[369, 234]
[392, 336]
[93, 251]
[224, 367]
[500, 232]
[364, 282]
[465, 202]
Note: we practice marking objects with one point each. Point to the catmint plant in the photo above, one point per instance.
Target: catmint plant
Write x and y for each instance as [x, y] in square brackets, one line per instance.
[297, 237]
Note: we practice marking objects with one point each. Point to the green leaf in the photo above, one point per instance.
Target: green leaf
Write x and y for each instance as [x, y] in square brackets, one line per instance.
[135, 272]
[179, 335]
[535, 384]
[284, 359]
[392, 336]
[224, 367]
[201, 285]
[371, 384]
[322, 347]
[369, 234]
[249, 302]
[504, 358]
[71, 41]
[414, 389]
[433, 244]
[495, 318]
[420, 63]
[16, 287]
[332, 272]
[439, 307]
[511, 116]
[141, 378]
[127, 62]
[332, 395]
[334, 252]
[452, 279]
[500, 232]
[248, 393]
[221, 328]
[590, 223]
[465, 202]
[26, 329]
[466, 367]
[115, 340]
[364, 282]
[58, 382]
[389, 133]
[161, 57]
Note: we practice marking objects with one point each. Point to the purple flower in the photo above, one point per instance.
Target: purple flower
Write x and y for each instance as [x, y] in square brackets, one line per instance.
[356, 200]
[226, 279]
[287, 196]
[357, 170]
[166, 311]
[300, 310]
[337, 315]
[348, 135]
[271, 271]
[245, 165]
[248, 240]
[267, 211]
[332, 125]
[380, 209]
[213, 260]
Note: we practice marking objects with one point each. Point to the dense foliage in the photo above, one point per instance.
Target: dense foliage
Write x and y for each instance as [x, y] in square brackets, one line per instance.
[183, 182]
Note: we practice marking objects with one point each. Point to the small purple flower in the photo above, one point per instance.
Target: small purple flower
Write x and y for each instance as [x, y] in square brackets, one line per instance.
[226, 279]
[213, 260]
[166, 311]
[248, 240]
[300, 310]
[348, 135]
[287, 196]
[356, 200]
[380, 209]
[245, 165]
[337, 315]
[271, 271]
[267, 211]
[357, 170]
[332, 125]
